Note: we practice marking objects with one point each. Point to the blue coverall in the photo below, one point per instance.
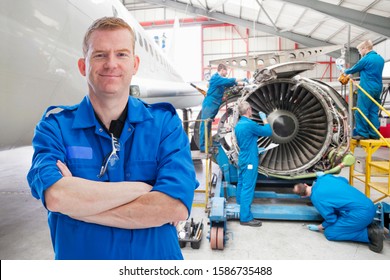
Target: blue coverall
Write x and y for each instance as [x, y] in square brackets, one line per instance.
[370, 67]
[213, 101]
[153, 149]
[347, 212]
[247, 132]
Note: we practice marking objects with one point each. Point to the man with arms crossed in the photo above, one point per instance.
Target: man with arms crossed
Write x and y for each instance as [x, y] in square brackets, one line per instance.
[113, 172]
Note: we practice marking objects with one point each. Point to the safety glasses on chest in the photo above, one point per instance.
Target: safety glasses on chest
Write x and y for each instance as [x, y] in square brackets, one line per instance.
[112, 157]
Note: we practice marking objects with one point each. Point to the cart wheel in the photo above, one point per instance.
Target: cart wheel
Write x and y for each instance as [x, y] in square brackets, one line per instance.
[220, 238]
[216, 238]
[213, 238]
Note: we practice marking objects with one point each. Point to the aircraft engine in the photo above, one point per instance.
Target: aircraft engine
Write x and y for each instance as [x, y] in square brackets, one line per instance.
[309, 120]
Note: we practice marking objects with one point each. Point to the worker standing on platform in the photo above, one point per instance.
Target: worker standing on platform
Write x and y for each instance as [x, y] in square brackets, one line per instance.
[213, 100]
[247, 132]
[370, 67]
[348, 214]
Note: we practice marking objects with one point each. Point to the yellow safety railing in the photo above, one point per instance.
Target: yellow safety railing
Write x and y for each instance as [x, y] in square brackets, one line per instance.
[207, 158]
[370, 148]
[352, 82]
[207, 138]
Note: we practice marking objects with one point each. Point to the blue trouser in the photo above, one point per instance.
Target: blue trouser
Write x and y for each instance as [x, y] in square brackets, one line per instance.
[209, 111]
[351, 226]
[370, 110]
[245, 190]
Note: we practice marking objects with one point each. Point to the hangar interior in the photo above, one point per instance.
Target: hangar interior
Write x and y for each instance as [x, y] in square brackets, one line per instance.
[249, 35]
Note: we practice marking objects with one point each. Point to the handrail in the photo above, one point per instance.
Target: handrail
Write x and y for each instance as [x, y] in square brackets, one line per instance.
[369, 96]
[207, 158]
[364, 116]
[372, 126]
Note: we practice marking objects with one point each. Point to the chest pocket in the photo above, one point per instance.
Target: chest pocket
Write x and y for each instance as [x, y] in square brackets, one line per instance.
[142, 170]
[84, 168]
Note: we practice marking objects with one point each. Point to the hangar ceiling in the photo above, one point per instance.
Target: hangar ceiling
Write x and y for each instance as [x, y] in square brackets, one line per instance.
[311, 23]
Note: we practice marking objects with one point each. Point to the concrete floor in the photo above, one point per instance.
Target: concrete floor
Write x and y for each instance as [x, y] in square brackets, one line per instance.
[24, 233]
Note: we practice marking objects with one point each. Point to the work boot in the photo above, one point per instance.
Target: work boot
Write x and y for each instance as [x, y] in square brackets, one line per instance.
[358, 137]
[375, 235]
[252, 223]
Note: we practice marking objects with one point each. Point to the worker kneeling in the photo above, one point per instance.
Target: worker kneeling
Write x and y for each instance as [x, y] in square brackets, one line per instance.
[348, 214]
[247, 132]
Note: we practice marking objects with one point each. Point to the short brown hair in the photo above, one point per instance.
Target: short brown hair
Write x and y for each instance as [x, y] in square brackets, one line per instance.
[300, 189]
[106, 23]
[221, 66]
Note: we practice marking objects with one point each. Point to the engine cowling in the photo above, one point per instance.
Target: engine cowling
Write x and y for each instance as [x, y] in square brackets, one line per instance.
[309, 120]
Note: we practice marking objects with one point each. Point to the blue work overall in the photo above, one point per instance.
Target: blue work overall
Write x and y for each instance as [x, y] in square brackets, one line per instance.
[247, 132]
[346, 211]
[153, 149]
[212, 102]
[370, 67]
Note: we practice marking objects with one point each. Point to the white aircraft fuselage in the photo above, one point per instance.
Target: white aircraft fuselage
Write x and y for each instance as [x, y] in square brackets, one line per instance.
[41, 42]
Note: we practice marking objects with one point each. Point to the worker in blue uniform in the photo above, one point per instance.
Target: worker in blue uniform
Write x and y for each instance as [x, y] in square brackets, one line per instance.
[348, 214]
[247, 132]
[114, 173]
[370, 67]
[213, 100]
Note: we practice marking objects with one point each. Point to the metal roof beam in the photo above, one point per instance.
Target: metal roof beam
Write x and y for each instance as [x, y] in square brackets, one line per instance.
[269, 18]
[217, 5]
[364, 20]
[298, 38]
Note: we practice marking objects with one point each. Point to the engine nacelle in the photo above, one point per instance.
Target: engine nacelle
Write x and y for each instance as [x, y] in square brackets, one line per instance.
[309, 120]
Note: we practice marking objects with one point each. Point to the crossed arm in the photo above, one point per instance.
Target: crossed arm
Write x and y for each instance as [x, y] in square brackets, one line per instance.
[129, 205]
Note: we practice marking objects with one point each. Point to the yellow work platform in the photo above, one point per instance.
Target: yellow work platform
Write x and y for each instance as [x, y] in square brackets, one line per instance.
[376, 174]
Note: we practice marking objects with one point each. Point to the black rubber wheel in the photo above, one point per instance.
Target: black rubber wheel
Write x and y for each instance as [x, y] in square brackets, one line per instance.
[195, 244]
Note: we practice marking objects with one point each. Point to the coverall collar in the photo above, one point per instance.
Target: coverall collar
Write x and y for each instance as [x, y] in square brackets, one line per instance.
[85, 116]
[244, 117]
